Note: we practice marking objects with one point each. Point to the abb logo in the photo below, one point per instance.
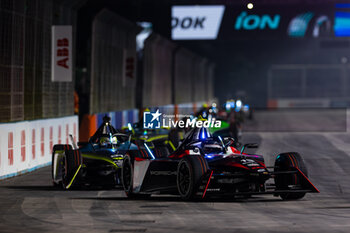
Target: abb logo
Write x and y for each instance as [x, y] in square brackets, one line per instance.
[63, 52]
[129, 67]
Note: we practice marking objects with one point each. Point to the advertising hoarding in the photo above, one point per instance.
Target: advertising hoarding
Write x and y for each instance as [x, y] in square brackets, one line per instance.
[214, 22]
[61, 54]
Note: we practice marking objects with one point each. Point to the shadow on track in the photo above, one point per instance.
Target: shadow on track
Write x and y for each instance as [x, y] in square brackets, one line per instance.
[32, 187]
[178, 199]
[53, 188]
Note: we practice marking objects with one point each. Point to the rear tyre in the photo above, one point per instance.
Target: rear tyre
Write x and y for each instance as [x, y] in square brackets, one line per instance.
[190, 171]
[55, 167]
[127, 177]
[289, 162]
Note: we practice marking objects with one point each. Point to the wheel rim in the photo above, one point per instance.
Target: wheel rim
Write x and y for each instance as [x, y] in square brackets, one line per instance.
[184, 179]
[127, 175]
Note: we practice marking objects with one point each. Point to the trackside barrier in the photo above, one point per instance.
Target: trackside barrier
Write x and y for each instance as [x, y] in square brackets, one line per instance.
[27, 145]
[311, 103]
[302, 103]
[348, 120]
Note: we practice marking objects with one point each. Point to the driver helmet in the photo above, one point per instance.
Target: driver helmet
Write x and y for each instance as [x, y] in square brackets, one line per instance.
[114, 141]
[213, 147]
[105, 140]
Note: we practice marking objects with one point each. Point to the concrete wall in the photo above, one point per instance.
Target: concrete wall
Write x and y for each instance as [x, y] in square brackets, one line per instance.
[27, 145]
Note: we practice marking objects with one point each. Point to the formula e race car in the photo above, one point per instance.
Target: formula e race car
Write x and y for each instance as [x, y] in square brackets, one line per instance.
[204, 165]
[96, 162]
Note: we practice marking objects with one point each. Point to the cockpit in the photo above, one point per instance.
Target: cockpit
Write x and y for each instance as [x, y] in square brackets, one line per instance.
[107, 136]
[203, 139]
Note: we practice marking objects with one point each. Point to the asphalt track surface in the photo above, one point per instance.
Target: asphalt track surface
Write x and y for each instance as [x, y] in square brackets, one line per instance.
[29, 203]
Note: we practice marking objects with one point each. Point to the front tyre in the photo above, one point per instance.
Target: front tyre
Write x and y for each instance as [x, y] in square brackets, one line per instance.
[190, 171]
[127, 176]
[59, 165]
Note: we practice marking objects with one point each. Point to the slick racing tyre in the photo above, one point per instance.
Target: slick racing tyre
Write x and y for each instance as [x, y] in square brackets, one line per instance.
[53, 167]
[190, 171]
[289, 162]
[70, 163]
[127, 177]
[57, 163]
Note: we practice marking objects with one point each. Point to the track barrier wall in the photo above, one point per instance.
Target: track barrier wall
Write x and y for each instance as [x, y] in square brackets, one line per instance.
[27, 145]
[113, 63]
[172, 74]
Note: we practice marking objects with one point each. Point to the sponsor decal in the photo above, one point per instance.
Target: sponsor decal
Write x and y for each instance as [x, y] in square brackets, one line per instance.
[322, 26]
[252, 22]
[298, 25]
[61, 66]
[163, 173]
[196, 22]
[129, 66]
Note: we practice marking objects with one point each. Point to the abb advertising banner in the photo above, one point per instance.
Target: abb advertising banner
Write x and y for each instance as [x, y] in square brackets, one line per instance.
[61, 66]
[129, 66]
[27, 145]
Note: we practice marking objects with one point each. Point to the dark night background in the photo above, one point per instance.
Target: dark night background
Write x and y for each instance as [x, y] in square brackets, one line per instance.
[242, 58]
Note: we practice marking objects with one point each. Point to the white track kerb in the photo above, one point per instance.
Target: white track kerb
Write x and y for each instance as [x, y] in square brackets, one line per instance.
[27, 145]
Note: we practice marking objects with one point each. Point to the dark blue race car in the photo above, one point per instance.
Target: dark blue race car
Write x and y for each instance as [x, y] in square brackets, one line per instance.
[96, 162]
